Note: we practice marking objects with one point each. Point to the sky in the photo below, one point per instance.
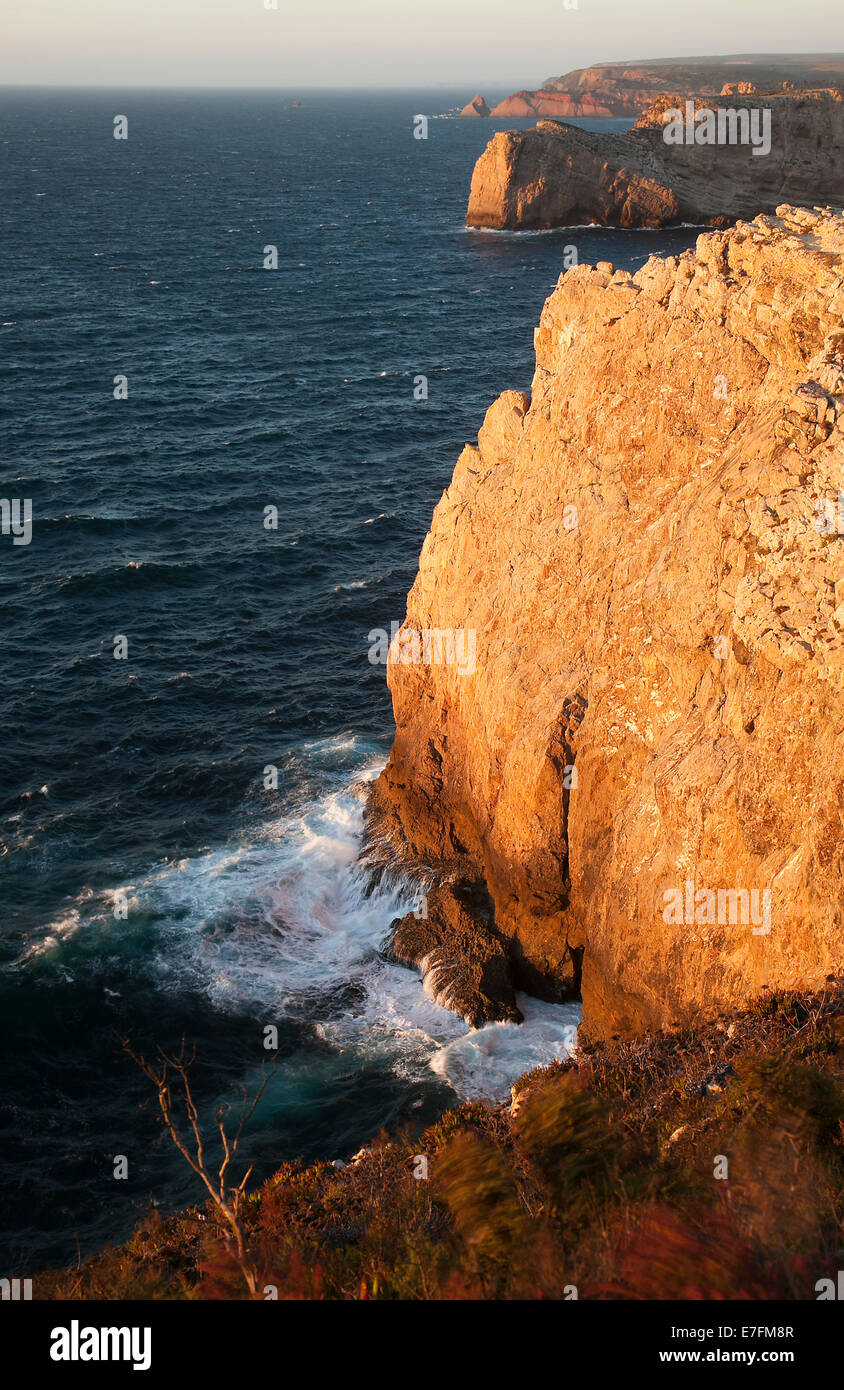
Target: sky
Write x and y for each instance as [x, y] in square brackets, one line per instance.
[384, 43]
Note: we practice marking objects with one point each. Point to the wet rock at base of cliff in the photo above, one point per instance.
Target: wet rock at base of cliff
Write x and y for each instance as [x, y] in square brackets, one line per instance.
[464, 963]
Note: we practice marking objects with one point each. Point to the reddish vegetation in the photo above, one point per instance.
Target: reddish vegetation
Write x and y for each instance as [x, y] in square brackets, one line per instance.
[597, 1181]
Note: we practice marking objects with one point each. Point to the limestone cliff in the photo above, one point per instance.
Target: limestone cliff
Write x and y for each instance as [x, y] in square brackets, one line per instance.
[649, 550]
[564, 104]
[626, 89]
[558, 175]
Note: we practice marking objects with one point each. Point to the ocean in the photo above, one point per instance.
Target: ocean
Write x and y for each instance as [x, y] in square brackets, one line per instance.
[179, 831]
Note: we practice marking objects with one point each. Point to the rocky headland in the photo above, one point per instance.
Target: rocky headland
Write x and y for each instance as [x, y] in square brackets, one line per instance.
[559, 175]
[641, 782]
[627, 89]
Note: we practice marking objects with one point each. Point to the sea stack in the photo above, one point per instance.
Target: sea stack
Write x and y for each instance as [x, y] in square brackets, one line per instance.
[476, 107]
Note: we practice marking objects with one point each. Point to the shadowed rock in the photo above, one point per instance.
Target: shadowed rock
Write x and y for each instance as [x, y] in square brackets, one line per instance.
[476, 107]
[559, 175]
[463, 962]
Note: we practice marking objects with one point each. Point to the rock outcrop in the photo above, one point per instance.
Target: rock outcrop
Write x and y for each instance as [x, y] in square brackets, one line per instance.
[645, 768]
[559, 175]
[476, 107]
[627, 89]
[464, 966]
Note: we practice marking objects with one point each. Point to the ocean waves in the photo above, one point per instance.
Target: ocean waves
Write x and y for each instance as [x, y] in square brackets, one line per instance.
[138, 780]
[282, 924]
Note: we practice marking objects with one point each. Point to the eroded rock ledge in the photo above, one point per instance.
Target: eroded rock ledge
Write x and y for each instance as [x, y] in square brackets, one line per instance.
[650, 549]
[558, 175]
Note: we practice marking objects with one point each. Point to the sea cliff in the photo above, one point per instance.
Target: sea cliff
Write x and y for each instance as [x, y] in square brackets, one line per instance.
[642, 777]
[782, 147]
[626, 89]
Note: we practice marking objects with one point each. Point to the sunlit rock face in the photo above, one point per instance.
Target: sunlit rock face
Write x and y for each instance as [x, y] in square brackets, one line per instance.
[627, 89]
[643, 766]
[729, 157]
[476, 107]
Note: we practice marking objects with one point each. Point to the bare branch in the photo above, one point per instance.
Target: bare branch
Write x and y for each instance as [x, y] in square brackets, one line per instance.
[227, 1199]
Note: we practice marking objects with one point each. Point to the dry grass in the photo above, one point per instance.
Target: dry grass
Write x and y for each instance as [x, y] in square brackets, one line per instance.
[600, 1177]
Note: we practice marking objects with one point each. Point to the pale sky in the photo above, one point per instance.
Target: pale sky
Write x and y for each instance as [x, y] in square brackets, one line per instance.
[384, 43]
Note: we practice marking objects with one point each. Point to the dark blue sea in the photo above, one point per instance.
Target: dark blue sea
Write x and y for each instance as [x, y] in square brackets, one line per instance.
[154, 883]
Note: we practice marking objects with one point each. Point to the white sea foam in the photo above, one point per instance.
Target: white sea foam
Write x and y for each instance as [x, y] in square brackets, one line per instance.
[279, 924]
[62, 927]
[484, 1063]
[582, 227]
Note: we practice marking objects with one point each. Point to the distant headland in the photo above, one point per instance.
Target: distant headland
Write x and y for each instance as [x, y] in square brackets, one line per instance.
[627, 89]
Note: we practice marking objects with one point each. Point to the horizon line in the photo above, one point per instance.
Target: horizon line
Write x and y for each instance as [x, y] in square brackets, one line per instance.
[819, 58]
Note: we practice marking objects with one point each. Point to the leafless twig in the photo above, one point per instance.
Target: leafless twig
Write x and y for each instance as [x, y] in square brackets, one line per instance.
[173, 1070]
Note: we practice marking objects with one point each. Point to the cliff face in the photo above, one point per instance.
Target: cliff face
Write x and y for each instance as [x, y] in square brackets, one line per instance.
[650, 551]
[558, 175]
[562, 104]
[626, 89]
